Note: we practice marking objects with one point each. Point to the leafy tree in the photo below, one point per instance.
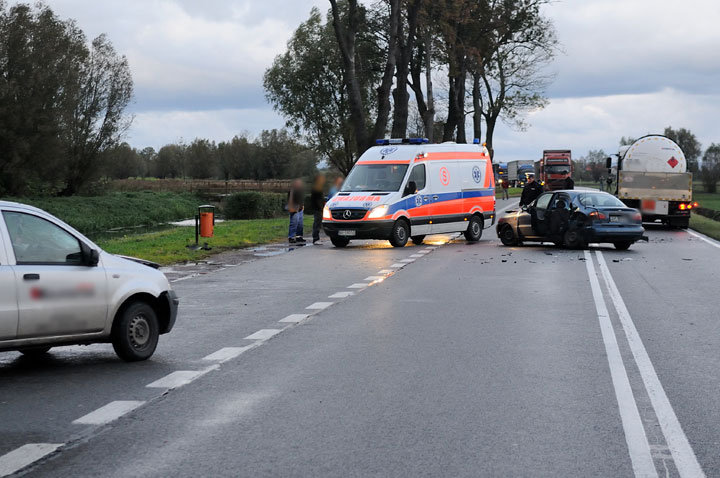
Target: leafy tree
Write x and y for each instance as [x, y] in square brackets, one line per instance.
[235, 158]
[201, 159]
[711, 168]
[279, 155]
[627, 141]
[147, 159]
[170, 162]
[122, 162]
[306, 84]
[689, 144]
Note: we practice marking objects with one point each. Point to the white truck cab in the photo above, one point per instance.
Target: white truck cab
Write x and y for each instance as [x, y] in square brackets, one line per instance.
[58, 288]
[407, 189]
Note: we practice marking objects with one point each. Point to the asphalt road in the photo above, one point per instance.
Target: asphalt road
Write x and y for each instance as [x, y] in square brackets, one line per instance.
[448, 360]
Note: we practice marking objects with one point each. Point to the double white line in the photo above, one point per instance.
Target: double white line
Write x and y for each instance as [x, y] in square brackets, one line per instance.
[638, 446]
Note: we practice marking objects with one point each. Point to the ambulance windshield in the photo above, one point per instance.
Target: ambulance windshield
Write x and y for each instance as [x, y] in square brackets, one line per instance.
[375, 177]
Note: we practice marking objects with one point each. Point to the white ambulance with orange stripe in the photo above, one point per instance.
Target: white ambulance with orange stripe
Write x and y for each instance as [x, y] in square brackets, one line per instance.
[407, 189]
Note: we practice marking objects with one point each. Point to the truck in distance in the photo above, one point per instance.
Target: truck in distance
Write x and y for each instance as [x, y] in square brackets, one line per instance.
[553, 166]
[652, 176]
[517, 172]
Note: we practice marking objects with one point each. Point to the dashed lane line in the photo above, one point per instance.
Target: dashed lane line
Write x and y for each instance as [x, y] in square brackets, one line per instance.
[263, 334]
[397, 266]
[319, 305]
[227, 353]
[24, 456]
[108, 413]
[635, 436]
[374, 278]
[359, 285]
[341, 295]
[180, 378]
[294, 318]
[407, 261]
[386, 271]
[682, 453]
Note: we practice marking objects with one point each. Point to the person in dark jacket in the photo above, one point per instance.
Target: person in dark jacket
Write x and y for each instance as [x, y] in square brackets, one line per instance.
[569, 183]
[531, 191]
[317, 201]
[296, 206]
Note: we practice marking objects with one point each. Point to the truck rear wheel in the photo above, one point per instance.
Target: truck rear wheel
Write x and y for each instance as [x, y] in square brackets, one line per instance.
[473, 233]
[338, 241]
[400, 233]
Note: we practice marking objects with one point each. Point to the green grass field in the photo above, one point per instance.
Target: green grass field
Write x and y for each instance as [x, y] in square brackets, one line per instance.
[707, 226]
[707, 200]
[92, 215]
[169, 246]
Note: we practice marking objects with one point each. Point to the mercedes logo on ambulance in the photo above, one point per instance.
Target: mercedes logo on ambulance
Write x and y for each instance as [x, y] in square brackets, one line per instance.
[347, 214]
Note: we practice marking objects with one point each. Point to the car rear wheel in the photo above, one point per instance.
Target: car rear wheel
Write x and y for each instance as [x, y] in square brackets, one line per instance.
[417, 240]
[573, 239]
[338, 241]
[35, 351]
[135, 332]
[473, 233]
[507, 236]
[623, 245]
[400, 233]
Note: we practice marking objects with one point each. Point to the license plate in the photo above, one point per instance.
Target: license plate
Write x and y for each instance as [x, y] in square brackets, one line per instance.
[346, 233]
[614, 218]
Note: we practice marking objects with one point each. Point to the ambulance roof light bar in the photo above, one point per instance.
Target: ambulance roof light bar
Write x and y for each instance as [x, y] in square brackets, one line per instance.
[385, 142]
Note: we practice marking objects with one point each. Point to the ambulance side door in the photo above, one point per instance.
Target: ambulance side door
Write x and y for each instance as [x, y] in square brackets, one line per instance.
[446, 196]
[421, 203]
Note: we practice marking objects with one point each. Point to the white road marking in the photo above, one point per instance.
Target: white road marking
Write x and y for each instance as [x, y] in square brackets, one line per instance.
[226, 353]
[386, 271]
[416, 256]
[397, 266]
[180, 378]
[341, 295]
[108, 413]
[263, 334]
[408, 261]
[359, 285]
[319, 305]
[635, 436]
[21, 457]
[682, 453]
[294, 318]
[374, 278]
[185, 278]
[704, 238]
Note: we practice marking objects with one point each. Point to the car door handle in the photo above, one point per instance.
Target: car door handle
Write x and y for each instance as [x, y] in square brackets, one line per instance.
[31, 277]
[435, 198]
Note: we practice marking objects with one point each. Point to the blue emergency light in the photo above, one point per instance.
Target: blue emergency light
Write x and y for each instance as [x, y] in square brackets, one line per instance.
[384, 142]
[476, 141]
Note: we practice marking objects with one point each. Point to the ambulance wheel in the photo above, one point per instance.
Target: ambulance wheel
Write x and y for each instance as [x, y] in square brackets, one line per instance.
[507, 236]
[473, 233]
[400, 233]
[338, 241]
[417, 240]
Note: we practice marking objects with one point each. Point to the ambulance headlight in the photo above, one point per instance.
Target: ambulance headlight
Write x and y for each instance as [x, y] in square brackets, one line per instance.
[378, 212]
[326, 213]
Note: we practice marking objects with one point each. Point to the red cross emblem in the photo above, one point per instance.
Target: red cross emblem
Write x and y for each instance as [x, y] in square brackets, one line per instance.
[673, 162]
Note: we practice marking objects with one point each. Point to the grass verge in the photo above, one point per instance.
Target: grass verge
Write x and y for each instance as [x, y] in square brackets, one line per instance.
[707, 226]
[92, 215]
[707, 200]
[169, 246]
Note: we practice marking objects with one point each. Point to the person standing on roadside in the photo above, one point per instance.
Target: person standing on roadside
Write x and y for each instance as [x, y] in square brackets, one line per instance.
[317, 200]
[569, 183]
[531, 191]
[504, 184]
[296, 206]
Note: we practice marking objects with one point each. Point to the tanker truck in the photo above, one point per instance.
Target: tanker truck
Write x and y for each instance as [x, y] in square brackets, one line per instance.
[651, 175]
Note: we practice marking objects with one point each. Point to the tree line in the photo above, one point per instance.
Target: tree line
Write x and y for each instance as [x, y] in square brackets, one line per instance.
[274, 154]
[62, 102]
[411, 68]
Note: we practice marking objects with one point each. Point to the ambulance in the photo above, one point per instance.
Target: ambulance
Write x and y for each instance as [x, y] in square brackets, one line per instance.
[402, 190]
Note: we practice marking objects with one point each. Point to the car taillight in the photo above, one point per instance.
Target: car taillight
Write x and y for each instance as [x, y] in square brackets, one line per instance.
[637, 217]
[696, 204]
[598, 215]
[682, 206]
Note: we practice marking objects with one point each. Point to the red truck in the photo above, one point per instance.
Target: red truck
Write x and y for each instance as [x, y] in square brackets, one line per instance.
[553, 166]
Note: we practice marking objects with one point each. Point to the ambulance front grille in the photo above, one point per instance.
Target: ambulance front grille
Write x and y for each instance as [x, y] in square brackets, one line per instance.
[348, 214]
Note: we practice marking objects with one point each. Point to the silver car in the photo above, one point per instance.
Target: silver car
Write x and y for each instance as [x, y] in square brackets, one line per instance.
[58, 288]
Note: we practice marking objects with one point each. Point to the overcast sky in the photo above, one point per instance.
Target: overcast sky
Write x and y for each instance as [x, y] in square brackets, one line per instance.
[628, 67]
